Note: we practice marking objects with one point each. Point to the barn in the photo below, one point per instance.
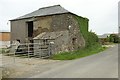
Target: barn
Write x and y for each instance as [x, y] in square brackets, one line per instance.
[52, 24]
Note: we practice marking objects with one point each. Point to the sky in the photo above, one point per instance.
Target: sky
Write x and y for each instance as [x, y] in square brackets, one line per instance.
[102, 14]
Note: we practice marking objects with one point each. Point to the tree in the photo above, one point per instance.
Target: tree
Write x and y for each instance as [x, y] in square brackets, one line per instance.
[114, 38]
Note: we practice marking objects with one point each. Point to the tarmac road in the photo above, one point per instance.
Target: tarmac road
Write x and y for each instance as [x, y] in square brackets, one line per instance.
[102, 65]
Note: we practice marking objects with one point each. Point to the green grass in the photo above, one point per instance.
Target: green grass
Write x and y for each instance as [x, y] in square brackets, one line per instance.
[94, 49]
[2, 50]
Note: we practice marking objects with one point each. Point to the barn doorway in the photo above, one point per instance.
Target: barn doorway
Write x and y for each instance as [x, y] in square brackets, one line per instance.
[30, 29]
[30, 34]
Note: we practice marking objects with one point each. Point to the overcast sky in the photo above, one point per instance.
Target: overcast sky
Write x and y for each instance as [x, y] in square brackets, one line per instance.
[102, 14]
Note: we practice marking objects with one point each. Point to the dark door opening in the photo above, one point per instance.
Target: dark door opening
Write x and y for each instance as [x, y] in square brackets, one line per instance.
[30, 35]
[30, 29]
[74, 41]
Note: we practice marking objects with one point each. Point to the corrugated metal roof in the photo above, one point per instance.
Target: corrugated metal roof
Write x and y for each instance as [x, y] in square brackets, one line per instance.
[56, 9]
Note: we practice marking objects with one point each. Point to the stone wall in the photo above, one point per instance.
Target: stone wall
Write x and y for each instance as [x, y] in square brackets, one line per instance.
[61, 22]
[42, 24]
[62, 42]
[18, 30]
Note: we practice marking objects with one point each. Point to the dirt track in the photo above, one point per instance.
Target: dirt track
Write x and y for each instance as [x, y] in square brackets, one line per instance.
[17, 67]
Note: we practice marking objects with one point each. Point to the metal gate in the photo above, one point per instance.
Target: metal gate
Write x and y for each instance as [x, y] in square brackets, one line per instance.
[31, 50]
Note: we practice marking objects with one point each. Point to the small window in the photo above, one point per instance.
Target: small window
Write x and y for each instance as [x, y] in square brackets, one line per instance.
[74, 41]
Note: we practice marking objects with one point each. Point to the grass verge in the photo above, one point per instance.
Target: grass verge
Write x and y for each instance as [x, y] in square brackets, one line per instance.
[2, 50]
[94, 49]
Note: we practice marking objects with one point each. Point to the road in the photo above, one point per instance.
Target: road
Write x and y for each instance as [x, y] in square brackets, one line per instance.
[102, 65]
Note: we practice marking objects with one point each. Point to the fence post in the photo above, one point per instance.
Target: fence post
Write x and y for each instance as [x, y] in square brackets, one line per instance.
[14, 52]
[39, 49]
[28, 51]
[49, 49]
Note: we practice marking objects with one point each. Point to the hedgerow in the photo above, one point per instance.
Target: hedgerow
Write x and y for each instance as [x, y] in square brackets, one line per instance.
[90, 37]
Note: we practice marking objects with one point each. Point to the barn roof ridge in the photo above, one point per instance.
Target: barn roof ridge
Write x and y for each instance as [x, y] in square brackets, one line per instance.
[44, 11]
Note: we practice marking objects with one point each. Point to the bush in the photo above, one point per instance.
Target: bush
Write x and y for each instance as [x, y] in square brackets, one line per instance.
[90, 37]
[114, 38]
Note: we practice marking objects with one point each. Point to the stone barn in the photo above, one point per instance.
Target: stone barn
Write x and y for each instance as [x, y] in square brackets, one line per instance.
[51, 24]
